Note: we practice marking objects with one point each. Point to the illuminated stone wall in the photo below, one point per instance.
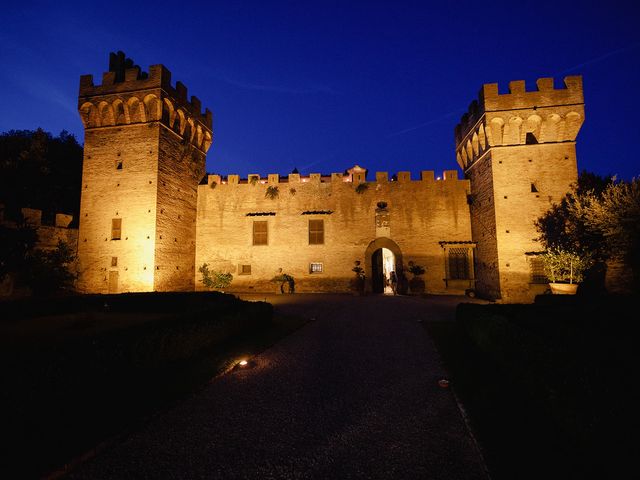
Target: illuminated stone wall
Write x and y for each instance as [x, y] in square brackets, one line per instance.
[518, 150]
[144, 156]
[144, 153]
[418, 215]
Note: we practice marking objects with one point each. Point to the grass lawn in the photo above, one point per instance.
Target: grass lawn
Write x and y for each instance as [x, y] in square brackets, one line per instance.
[548, 389]
[77, 380]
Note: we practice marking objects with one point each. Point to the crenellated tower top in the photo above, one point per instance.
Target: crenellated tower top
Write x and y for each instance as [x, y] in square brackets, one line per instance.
[520, 117]
[128, 95]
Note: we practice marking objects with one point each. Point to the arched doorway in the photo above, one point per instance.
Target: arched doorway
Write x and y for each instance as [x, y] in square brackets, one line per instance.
[383, 262]
[381, 257]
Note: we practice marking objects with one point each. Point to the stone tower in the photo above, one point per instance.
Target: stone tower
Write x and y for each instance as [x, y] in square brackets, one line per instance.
[144, 155]
[519, 151]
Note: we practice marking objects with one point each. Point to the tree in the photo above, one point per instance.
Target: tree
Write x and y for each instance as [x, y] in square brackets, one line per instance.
[614, 216]
[48, 270]
[41, 171]
[15, 246]
[599, 219]
[561, 228]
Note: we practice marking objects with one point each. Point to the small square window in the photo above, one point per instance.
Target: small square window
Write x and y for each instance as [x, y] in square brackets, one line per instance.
[116, 228]
[244, 270]
[315, 268]
[114, 261]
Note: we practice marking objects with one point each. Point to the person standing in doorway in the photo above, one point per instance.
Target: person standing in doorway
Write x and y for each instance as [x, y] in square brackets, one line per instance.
[393, 280]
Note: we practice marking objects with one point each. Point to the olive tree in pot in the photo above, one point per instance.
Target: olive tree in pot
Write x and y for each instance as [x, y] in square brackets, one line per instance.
[358, 283]
[565, 270]
[285, 282]
[416, 284]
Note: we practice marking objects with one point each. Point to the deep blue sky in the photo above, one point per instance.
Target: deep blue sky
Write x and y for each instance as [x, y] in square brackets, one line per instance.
[323, 85]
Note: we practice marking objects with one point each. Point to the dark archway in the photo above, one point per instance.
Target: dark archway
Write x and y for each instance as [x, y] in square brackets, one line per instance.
[373, 263]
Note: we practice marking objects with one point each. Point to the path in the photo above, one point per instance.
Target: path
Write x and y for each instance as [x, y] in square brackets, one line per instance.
[353, 394]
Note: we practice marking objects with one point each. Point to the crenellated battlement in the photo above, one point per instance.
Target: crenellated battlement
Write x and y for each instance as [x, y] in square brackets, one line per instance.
[128, 95]
[520, 117]
[544, 95]
[381, 178]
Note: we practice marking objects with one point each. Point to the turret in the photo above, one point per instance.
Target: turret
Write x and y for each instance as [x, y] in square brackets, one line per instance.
[144, 155]
[518, 150]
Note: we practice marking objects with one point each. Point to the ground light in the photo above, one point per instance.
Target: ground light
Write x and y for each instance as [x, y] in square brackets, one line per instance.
[243, 363]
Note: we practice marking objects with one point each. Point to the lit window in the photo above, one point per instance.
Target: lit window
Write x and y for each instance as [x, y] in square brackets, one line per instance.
[116, 228]
[260, 233]
[245, 270]
[316, 232]
[315, 268]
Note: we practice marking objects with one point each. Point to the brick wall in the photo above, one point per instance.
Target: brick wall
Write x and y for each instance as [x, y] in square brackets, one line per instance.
[420, 214]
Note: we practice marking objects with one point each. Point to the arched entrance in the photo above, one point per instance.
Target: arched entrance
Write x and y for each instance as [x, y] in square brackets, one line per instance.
[382, 256]
[383, 262]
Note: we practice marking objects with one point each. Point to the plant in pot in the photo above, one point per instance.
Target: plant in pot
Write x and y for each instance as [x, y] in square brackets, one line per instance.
[285, 283]
[565, 270]
[416, 284]
[215, 279]
[358, 283]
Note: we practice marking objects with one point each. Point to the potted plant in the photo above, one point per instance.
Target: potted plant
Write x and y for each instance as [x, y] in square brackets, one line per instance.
[565, 270]
[285, 283]
[215, 279]
[416, 284]
[358, 283]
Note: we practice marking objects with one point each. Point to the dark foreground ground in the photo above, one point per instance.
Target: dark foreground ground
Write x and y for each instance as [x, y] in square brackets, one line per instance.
[353, 394]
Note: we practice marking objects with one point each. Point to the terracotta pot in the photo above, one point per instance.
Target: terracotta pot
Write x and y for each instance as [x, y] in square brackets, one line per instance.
[564, 288]
[416, 286]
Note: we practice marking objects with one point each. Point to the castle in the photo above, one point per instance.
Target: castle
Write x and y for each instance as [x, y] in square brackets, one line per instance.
[150, 217]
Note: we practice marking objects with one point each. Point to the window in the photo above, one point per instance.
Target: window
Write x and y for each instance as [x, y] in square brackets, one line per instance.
[316, 232]
[116, 228]
[244, 270]
[459, 263]
[536, 268]
[119, 164]
[315, 268]
[534, 189]
[114, 261]
[260, 233]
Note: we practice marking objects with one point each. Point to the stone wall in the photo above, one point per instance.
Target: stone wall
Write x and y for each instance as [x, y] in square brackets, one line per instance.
[128, 194]
[417, 216]
[48, 237]
[179, 174]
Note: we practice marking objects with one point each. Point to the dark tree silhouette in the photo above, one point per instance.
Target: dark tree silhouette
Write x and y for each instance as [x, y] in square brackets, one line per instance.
[38, 170]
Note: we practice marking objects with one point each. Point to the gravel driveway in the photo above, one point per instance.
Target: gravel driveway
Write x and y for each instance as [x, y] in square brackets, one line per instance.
[353, 394]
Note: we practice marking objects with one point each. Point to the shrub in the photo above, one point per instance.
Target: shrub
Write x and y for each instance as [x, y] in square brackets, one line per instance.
[272, 192]
[415, 269]
[48, 270]
[283, 278]
[361, 188]
[214, 279]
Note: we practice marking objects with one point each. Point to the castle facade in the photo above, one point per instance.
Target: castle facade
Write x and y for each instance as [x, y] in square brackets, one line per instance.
[150, 216]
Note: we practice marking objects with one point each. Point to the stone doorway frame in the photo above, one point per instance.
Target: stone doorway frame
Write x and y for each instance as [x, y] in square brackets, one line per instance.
[378, 243]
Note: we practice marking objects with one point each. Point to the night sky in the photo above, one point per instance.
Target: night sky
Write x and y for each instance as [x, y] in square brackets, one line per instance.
[321, 86]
